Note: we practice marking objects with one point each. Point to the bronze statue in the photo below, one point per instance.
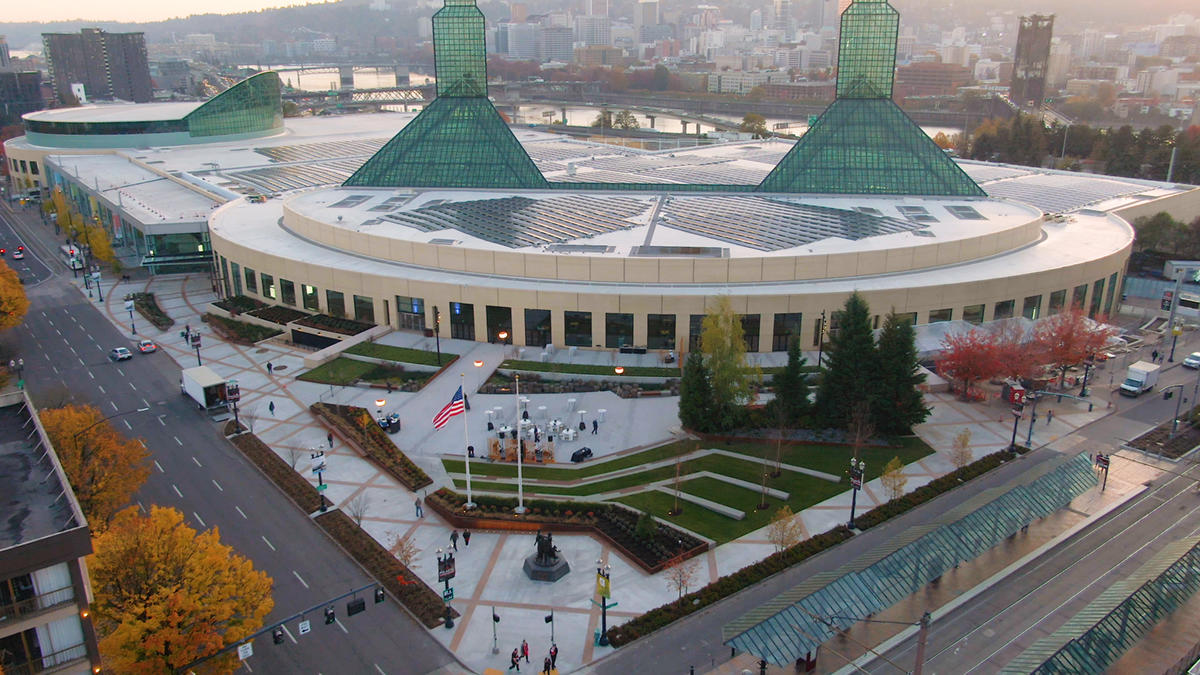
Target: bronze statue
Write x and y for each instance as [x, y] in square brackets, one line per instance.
[547, 552]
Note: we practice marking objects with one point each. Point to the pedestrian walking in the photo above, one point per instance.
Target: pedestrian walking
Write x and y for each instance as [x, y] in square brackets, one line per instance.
[417, 504]
[516, 661]
[525, 650]
[1049, 417]
[546, 668]
[595, 427]
[466, 537]
[553, 655]
[1154, 356]
[271, 407]
[454, 541]
[329, 437]
[269, 367]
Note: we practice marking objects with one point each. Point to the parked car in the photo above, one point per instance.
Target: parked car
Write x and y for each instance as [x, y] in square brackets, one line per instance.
[1192, 360]
[147, 346]
[581, 455]
[120, 354]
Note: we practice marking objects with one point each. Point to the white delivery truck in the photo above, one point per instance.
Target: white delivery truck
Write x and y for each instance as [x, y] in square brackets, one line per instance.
[206, 388]
[1141, 376]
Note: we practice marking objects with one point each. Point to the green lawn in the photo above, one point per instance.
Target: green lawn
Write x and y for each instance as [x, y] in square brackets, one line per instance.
[695, 518]
[338, 371]
[344, 371]
[835, 459]
[401, 354]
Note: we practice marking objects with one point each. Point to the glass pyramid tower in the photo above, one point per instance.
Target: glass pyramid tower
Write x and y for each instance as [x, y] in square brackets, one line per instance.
[458, 140]
[864, 143]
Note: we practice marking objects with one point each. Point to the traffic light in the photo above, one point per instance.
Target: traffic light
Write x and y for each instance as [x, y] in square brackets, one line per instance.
[277, 635]
[329, 615]
[379, 595]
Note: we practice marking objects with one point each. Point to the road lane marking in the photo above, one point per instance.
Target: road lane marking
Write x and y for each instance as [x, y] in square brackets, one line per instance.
[160, 469]
[179, 442]
[102, 389]
[143, 444]
[127, 425]
[339, 623]
[269, 543]
[114, 405]
[58, 331]
[55, 369]
[300, 578]
[132, 387]
[241, 512]
[199, 519]
[289, 634]
[120, 371]
[218, 485]
[176, 489]
[160, 420]
[379, 669]
[81, 361]
[194, 459]
[145, 403]
[91, 375]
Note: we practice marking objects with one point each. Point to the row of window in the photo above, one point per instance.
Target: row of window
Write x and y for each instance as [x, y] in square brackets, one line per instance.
[619, 326]
[21, 166]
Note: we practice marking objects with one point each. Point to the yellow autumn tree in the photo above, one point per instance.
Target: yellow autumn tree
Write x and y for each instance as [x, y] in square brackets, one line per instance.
[13, 303]
[167, 596]
[105, 467]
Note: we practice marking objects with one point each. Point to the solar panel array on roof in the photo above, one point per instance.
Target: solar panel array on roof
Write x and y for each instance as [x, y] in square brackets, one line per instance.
[390, 204]
[768, 224]
[349, 202]
[312, 152]
[295, 176]
[724, 173]
[981, 173]
[963, 212]
[1056, 193]
[568, 150]
[522, 221]
[599, 176]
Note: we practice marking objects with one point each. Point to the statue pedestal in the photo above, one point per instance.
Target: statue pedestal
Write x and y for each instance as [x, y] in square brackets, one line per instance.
[538, 572]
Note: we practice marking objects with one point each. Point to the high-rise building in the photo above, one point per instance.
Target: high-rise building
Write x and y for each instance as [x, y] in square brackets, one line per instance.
[556, 43]
[783, 16]
[646, 19]
[593, 31]
[597, 7]
[20, 92]
[1031, 60]
[756, 21]
[5, 59]
[108, 65]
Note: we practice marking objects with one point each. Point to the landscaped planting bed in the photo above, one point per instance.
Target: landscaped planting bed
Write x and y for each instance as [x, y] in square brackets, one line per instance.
[346, 371]
[358, 427]
[285, 477]
[147, 306]
[236, 304]
[531, 383]
[335, 324]
[425, 603]
[239, 331]
[616, 524]
[277, 314]
[1160, 440]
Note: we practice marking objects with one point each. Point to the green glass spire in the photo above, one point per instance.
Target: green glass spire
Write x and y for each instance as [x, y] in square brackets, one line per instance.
[867, 50]
[459, 54]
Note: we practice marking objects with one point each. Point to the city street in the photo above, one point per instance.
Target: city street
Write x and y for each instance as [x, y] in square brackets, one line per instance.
[64, 342]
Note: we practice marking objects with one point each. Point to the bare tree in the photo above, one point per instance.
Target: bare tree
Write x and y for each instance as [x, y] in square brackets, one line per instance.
[960, 454]
[893, 478]
[781, 421]
[860, 427]
[358, 507]
[294, 454]
[785, 529]
[404, 550]
[681, 574]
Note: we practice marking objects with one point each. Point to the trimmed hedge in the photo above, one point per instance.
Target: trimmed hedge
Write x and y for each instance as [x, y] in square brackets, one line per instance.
[277, 314]
[147, 306]
[335, 324]
[778, 562]
[373, 442]
[236, 304]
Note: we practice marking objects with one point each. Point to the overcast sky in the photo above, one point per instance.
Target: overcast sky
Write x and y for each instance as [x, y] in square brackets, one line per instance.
[131, 10]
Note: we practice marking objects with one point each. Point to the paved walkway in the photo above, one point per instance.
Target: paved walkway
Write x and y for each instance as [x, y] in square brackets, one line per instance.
[489, 570]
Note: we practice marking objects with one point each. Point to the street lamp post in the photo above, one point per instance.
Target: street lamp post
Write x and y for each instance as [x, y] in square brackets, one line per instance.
[1087, 369]
[1012, 444]
[437, 332]
[195, 337]
[96, 278]
[445, 563]
[233, 394]
[129, 306]
[604, 586]
[857, 471]
[821, 340]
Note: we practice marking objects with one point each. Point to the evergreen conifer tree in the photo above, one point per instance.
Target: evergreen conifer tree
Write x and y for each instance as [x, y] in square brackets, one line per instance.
[852, 366]
[695, 395]
[898, 404]
[791, 386]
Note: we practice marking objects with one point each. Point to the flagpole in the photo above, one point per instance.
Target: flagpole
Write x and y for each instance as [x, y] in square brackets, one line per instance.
[520, 451]
[467, 443]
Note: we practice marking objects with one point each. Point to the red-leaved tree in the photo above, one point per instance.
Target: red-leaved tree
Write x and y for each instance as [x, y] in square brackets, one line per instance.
[968, 357]
[1067, 338]
[1018, 356]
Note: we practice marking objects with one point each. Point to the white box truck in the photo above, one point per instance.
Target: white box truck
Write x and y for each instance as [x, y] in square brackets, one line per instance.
[206, 388]
[1141, 376]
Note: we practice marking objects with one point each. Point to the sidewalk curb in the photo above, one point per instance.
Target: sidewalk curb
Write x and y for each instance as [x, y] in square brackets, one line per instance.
[1012, 568]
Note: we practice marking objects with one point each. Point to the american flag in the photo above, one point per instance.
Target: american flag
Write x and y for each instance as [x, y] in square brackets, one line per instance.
[454, 407]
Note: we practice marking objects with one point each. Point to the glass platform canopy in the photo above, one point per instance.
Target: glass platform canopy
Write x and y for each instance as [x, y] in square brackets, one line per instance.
[862, 144]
